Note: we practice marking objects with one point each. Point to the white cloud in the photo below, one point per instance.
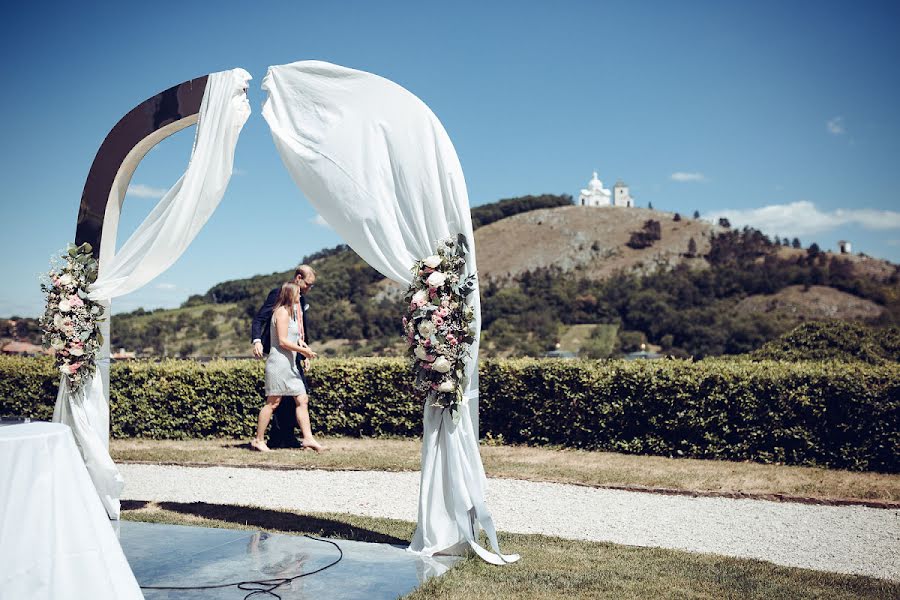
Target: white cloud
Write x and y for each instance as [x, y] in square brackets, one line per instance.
[145, 191]
[318, 220]
[836, 126]
[803, 218]
[166, 286]
[685, 177]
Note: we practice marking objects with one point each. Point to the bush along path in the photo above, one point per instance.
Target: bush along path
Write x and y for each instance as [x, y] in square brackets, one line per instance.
[834, 414]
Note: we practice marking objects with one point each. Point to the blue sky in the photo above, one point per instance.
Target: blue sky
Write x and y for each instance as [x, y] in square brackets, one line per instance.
[782, 115]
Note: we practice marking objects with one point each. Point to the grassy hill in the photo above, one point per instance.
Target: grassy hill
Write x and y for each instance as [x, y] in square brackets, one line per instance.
[595, 280]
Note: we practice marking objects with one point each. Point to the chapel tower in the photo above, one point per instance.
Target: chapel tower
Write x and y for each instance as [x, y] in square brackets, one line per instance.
[621, 196]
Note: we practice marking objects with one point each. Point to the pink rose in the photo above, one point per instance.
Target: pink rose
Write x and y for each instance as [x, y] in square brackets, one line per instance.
[74, 367]
[437, 319]
[413, 306]
[426, 365]
[452, 340]
[443, 311]
[75, 301]
[426, 343]
[432, 293]
[420, 303]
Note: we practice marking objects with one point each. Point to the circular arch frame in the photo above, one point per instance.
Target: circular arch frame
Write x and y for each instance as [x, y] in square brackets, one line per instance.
[142, 128]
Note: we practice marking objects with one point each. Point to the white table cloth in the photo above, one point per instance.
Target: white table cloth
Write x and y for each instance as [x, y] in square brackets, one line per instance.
[56, 540]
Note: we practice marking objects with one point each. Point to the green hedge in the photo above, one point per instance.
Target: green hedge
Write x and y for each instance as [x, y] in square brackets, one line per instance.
[841, 415]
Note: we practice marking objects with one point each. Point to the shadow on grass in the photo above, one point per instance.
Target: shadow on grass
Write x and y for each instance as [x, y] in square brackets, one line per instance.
[277, 520]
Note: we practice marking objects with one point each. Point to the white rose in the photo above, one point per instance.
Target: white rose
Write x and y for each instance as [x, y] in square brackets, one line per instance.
[432, 262]
[65, 279]
[436, 279]
[64, 306]
[420, 352]
[426, 329]
[420, 296]
[57, 344]
[441, 365]
[57, 321]
[447, 386]
[76, 351]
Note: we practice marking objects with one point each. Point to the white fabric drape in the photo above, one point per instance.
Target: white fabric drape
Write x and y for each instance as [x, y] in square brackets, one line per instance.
[156, 244]
[379, 167]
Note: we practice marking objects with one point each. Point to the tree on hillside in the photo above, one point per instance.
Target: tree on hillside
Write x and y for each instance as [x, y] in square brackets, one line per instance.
[677, 217]
[723, 222]
[692, 248]
[644, 238]
[796, 243]
[488, 213]
[813, 251]
[650, 205]
[696, 214]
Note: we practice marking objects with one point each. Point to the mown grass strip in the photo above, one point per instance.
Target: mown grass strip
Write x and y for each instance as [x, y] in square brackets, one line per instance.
[551, 568]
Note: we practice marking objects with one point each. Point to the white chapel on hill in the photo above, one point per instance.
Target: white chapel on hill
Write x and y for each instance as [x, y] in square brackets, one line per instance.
[597, 195]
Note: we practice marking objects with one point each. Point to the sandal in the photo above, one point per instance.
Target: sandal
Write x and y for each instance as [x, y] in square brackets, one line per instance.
[260, 446]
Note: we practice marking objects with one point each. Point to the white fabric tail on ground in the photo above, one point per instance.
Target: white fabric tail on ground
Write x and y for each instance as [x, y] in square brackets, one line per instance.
[379, 167]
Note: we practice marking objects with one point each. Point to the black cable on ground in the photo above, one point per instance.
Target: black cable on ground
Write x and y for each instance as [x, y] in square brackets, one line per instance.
[260, 586]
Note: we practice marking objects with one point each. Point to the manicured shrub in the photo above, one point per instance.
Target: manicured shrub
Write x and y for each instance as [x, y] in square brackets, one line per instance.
[834, 340]
[835, 414]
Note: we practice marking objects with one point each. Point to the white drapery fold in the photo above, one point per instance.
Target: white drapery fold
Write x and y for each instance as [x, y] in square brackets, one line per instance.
[156, 244]
[379, 167]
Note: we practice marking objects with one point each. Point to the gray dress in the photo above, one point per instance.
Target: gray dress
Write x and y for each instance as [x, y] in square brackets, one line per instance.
[282, 375]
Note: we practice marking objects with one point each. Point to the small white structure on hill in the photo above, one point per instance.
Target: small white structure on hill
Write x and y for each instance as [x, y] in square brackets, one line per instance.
[621, 197]
[597, 195]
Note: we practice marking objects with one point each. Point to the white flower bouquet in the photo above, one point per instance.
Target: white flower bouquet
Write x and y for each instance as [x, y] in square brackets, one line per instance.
[71, 320]
[438, 324]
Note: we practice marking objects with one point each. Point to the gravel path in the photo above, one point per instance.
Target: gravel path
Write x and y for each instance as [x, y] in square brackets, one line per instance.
[844, 539]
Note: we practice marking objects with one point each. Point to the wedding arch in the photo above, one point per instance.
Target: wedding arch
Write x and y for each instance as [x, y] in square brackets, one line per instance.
[376, 164]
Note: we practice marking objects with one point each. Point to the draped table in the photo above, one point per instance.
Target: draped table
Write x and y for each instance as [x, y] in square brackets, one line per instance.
[56, 540]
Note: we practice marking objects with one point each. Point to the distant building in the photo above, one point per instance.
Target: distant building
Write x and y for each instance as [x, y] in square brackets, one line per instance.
[643, 355]
[596, 195]
[122, 354]
[560, 354]
[621, 197]
[845, 247]
[23, 348]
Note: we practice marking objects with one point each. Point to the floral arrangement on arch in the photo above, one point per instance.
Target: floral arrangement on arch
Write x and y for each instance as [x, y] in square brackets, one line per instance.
[438, 324]
[71, 320]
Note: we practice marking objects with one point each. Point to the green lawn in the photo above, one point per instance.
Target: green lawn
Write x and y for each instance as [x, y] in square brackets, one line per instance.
[551, 568]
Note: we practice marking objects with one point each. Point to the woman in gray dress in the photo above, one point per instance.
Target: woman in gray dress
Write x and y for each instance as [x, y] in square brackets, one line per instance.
[282, 376]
